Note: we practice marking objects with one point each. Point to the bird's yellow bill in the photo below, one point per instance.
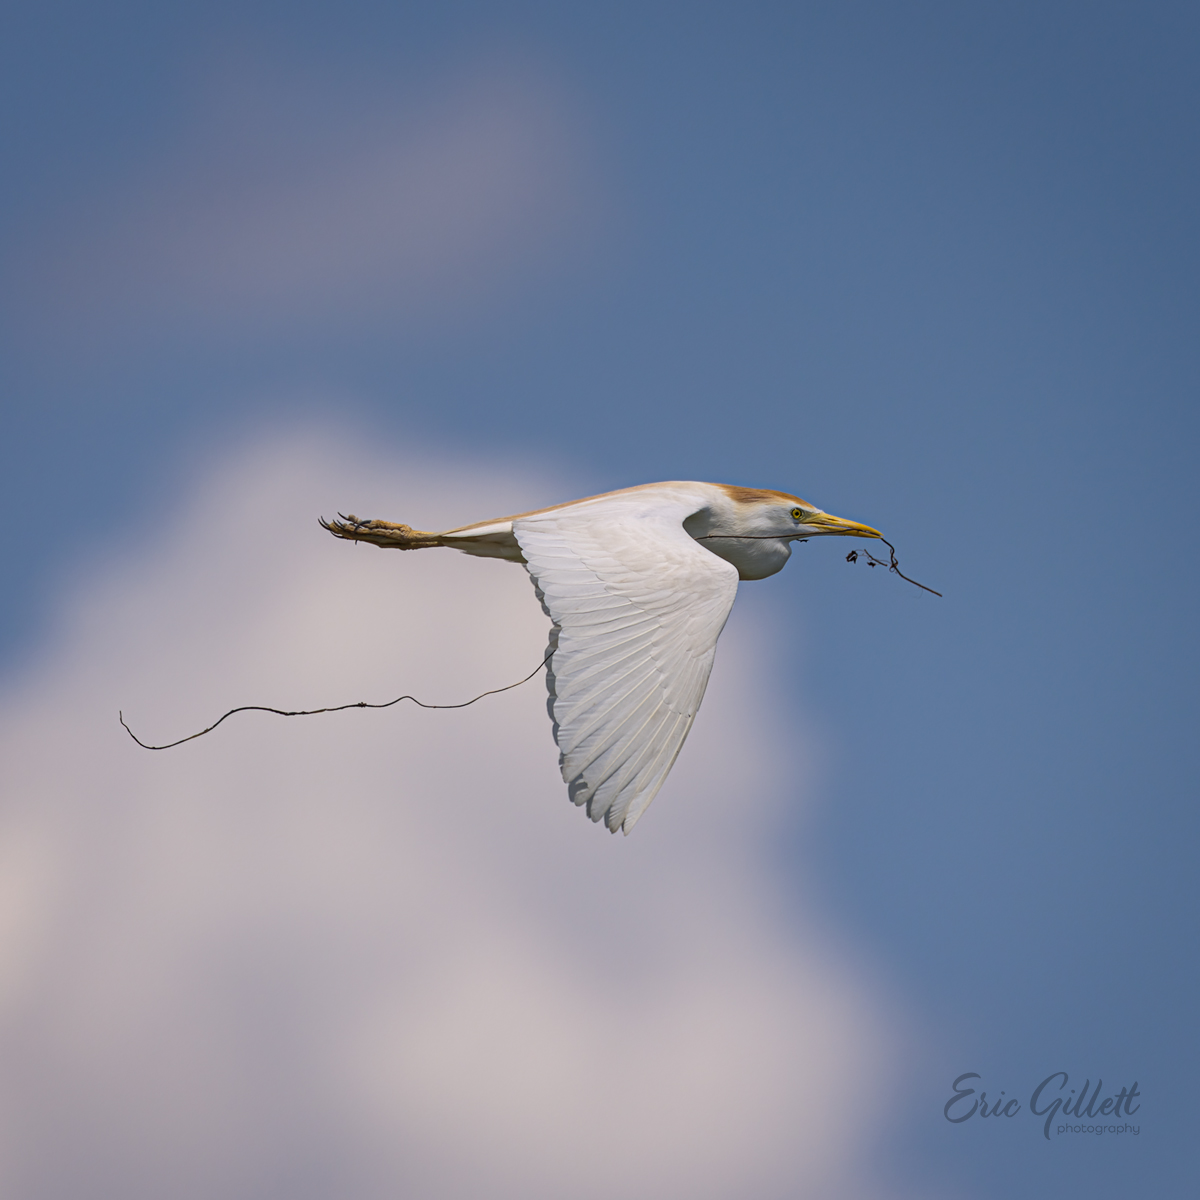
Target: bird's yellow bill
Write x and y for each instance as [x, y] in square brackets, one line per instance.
[828, 523]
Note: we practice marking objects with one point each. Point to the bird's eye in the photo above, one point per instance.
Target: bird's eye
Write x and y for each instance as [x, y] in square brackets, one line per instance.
[797, 513]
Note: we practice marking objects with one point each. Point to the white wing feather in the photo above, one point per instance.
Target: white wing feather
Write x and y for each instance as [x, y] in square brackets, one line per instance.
[637, 607]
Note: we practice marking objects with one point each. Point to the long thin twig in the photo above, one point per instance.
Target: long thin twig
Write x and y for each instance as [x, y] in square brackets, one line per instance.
[893, 566]
[312, 712]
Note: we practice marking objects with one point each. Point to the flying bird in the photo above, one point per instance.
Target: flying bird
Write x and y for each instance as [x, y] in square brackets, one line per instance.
[638, 584]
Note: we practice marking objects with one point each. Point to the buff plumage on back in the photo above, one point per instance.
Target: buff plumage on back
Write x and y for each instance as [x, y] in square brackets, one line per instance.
[637, 606]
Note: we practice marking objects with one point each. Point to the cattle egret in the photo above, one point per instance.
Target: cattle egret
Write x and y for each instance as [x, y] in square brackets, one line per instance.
[638, 585]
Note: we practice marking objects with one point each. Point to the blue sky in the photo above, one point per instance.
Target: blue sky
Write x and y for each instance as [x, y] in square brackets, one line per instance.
[930, 266]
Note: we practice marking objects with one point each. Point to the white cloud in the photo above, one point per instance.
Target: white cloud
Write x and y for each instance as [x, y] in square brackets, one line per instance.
[288, 202]
[380, 954]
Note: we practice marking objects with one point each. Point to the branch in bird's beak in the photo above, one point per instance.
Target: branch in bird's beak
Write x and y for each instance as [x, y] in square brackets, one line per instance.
[827, 523]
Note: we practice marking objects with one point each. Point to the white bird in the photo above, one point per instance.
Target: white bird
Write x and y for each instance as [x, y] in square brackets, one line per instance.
[638, 584]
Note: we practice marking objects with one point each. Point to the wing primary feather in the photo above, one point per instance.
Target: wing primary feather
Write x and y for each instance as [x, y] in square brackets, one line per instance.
[636, 607]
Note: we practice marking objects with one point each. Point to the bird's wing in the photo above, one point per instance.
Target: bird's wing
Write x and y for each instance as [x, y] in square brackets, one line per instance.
[637, 607]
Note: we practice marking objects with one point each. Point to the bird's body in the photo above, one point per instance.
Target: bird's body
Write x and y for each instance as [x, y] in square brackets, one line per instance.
[638, 585]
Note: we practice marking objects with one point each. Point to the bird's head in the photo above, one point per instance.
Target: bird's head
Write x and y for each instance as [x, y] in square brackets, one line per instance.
[807, 521]
[754, 528]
